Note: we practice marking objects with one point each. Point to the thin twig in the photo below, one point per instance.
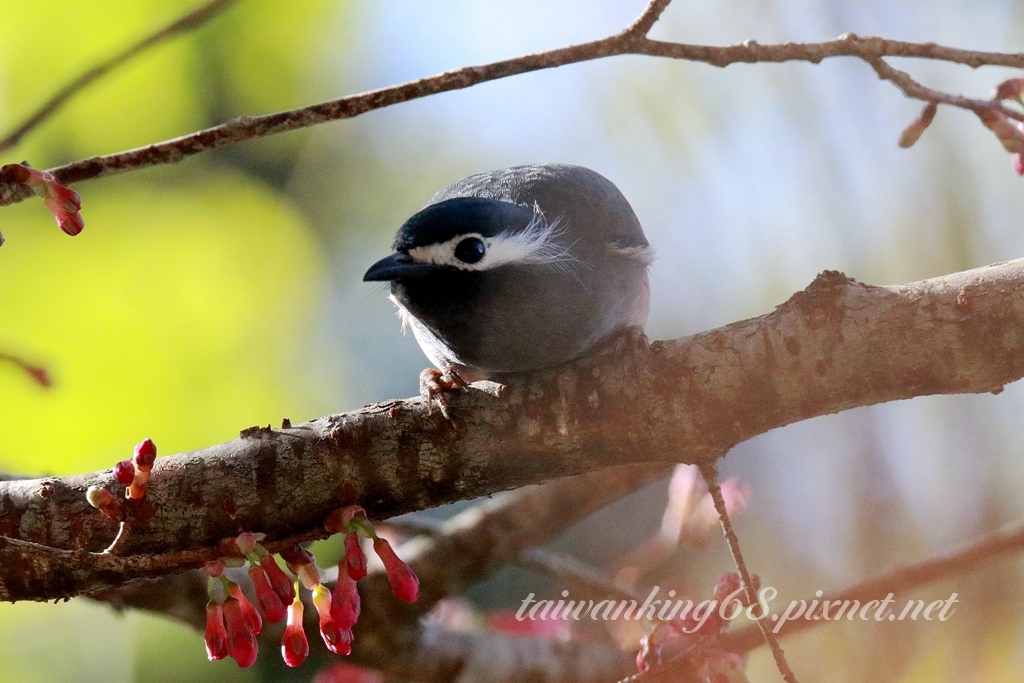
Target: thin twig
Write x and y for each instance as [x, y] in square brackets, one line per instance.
[710, 473]
[915, 90]
[188, 22]
[647, 19]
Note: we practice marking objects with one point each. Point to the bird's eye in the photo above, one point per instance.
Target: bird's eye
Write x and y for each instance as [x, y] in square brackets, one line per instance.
[470, 250]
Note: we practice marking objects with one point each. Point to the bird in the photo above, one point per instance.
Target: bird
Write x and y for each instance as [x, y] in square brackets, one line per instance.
[516, 270]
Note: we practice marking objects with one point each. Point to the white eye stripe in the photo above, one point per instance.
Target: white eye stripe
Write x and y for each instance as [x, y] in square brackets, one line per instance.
[535, 244]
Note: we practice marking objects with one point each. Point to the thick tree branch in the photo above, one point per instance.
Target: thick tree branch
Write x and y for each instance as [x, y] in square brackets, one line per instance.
[834, 346]
[631, 40]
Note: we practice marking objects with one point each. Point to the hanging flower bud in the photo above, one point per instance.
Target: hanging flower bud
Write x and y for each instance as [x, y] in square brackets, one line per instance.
[294, 646]
[216, 634]
[999, 123]
[252, 617]
[345, 602]
[63, 202]
[270, 602]
[404, 583]
[241, 643]
[282, 585]
[355, 558]
[336, 639]
[918, 126]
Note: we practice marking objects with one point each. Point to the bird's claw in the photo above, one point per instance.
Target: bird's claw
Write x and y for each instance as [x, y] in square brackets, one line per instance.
[436, 385]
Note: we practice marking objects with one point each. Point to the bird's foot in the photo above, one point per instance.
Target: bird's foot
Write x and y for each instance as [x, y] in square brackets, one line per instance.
[620, 341]
[435, 387]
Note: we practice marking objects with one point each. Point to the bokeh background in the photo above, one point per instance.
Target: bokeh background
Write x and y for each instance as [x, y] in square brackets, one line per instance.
[225, 291]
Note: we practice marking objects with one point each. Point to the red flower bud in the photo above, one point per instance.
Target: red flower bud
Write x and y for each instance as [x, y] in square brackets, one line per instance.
[294, 646]
[345, 602]
[145, 454]
[252, 617]
[337, 640]
[242, 646]
[271, 603]
[124, 472]
[283, 586]
[404, 583]
[355, 558]
[216, 635]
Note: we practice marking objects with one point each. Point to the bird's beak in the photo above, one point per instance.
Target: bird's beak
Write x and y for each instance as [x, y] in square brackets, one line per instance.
[395, 267]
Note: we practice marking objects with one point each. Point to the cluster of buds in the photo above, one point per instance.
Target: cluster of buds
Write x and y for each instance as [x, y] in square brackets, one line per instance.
[132, 473]
[63, 202]
[135, 473]
[336, 620]
[352, 522]
[688, 636]
[233, 623]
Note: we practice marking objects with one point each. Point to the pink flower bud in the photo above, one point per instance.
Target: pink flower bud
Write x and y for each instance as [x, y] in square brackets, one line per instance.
[917, 127]
[252, 617]
[999, 123]
[70, 222]
[1010, 89]
[216, 634]
[271, 603]
[345, 602]
[404, 583]
[124, 472]
[241, 645]
[61, 197]
[294, 646]
[337, 640]
[355, 558]
[283, 586]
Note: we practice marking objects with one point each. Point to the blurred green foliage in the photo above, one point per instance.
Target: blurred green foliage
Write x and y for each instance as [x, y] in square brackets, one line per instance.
[184, 310]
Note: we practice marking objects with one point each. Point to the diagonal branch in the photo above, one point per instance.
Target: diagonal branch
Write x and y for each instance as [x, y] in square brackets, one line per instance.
[190, 21]
[631, 40]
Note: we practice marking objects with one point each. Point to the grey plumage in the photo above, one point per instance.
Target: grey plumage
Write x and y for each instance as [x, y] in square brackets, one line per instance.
[519, 269]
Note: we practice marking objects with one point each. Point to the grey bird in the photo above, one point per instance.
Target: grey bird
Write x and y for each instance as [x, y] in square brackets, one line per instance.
[516, 270]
